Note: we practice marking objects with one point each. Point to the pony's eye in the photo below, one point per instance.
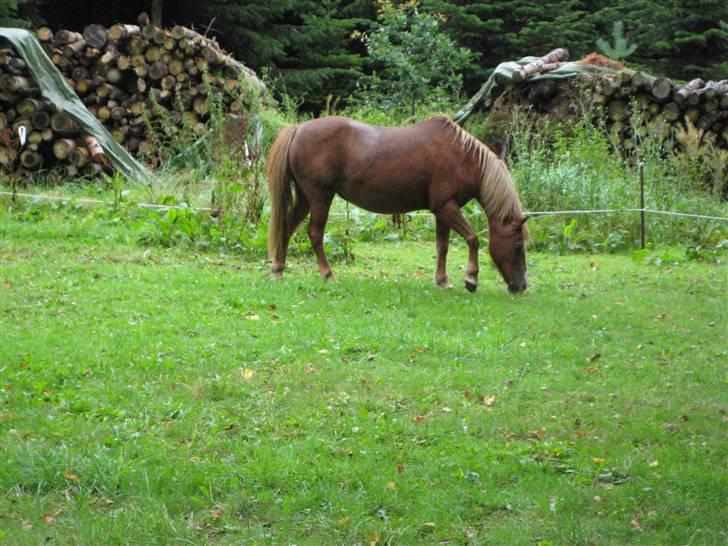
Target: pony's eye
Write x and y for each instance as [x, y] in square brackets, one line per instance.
[518, 246]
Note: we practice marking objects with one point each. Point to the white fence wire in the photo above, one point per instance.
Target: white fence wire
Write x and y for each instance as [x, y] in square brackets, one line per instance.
[153, 206]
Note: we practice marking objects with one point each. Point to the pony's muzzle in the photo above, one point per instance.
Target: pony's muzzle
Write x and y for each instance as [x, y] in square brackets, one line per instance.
[513, 288]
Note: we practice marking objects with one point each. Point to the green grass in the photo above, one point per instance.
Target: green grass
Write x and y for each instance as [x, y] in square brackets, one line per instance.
[153, 396]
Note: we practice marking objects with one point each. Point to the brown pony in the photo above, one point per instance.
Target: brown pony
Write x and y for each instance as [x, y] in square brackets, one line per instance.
[433, 164]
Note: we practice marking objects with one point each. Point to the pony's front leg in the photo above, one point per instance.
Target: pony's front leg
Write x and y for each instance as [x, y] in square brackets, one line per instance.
[450, 213]
[442, 231]
[320, 204]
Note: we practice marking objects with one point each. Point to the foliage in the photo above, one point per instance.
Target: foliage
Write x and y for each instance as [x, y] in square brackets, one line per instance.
[573, 167]
[310, 50]
[414, 60]
[620, 48]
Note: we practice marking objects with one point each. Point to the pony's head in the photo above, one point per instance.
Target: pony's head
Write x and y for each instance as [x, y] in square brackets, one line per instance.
[507, 245]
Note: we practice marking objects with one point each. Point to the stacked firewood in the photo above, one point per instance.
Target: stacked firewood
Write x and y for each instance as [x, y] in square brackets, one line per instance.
[663, 104]
[657, 105]
[138, 80]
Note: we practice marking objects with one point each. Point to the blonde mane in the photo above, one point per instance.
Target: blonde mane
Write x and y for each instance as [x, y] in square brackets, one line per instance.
[498, 195]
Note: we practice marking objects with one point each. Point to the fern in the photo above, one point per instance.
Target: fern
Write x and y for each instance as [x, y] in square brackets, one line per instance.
[621, 48]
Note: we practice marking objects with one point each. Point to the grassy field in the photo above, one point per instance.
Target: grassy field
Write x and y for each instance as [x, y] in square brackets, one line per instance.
[152, 396]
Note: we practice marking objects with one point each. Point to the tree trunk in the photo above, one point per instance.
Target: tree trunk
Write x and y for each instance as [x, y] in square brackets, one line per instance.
[156, 13]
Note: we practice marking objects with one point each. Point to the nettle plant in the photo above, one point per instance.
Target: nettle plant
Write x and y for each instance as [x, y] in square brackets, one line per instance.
[414, 61]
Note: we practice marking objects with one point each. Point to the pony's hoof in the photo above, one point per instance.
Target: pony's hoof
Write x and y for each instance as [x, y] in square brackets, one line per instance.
[444, 284]
[471, 286]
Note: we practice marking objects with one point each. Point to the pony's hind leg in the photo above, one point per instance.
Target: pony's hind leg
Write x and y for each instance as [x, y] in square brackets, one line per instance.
[442, 231]
[450, 214]
[320, 201]
[298, 214]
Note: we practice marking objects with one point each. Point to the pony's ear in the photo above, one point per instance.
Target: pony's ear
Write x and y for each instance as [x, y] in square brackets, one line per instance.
[524, 219]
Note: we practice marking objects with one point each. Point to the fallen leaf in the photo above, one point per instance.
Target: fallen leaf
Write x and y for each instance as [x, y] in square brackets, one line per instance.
[70, 476]
[247, 373]
[661, 316]
[252, 317]
[489, 400]
[392, 486]
[467, 394]
[400, 468]
[653, 464]
[597, 460]
[635, 523]
[421, 419]
[344, 521]
[218, 513]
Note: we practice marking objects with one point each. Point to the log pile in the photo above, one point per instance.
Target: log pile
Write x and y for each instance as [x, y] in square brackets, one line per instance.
[663, 104]
[625, 95]
[131, 77]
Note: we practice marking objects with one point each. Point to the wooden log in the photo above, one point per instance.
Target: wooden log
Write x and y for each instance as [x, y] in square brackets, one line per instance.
[159, 36]
[44, 34]
[31, 159]
[114, 75]
[121, 32]
[35, 137]
[176, 67]
[108, 91]
[94, 148]
[671, 111]
[62, 123]
[179, 32]
[118, 113]
[153, 54]
[662, 88]
[617, 110]
[82, 87]
[40, 120]
[123, 62]
[28, 106]
[62, 147]
[201, 105]
[641, 81]
[119, 134]
[136, 45]
[692, 114]
[16, 65]
[169, 43]
[711, 105]
[148, 31]
[681, 94]
[80, 73]
[168, 82]
[555, 56]
[96, 35]
[79, 156]
[103, 113]
[63, 37]
[73, 49]
[157, 70]
[13, 84]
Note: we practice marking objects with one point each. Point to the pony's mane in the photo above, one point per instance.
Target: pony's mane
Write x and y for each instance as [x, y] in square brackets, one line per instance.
[498, 195]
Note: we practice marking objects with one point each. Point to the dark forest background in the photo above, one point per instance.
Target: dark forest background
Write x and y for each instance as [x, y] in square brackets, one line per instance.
[312, 49]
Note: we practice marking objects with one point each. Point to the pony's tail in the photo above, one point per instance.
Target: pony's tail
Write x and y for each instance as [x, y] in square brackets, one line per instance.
[280, 184]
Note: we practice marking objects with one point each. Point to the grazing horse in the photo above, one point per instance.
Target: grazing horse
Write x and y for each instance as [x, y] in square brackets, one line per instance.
[433, 165]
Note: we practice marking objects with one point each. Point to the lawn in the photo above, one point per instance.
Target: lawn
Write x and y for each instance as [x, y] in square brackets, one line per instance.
[153, 396]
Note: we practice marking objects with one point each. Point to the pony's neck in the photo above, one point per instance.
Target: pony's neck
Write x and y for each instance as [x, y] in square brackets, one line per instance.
[498, 195]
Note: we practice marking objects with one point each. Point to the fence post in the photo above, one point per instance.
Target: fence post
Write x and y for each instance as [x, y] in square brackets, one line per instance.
[642, 204]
